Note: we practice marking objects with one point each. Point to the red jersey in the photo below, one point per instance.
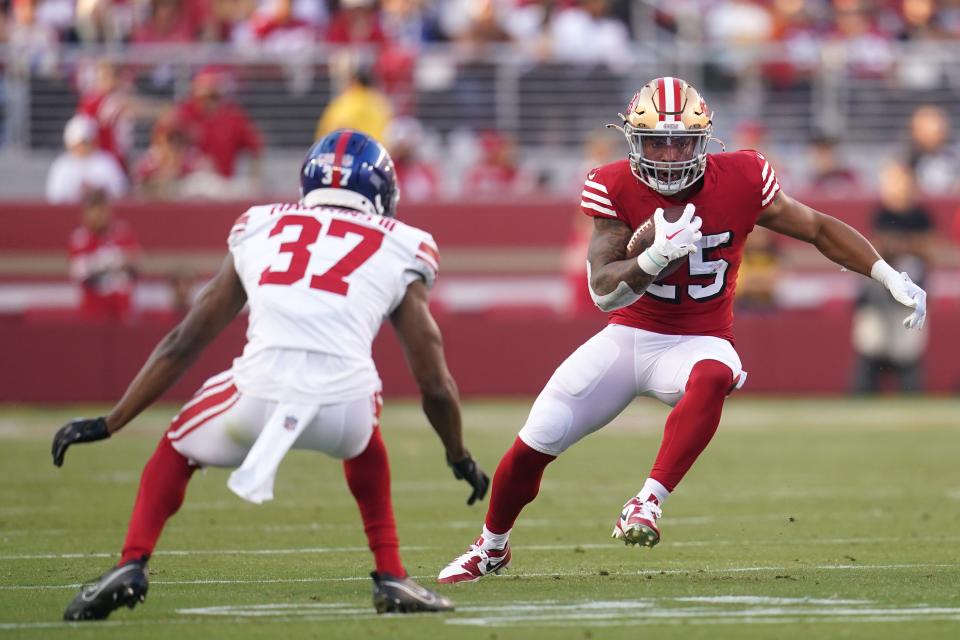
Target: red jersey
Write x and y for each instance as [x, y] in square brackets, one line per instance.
[697, 299]
[114, 127]
[102, 265]
[220, 134]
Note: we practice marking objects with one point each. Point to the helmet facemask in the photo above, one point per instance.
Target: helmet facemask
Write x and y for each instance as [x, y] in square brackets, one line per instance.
[668, 126]
[667, 161]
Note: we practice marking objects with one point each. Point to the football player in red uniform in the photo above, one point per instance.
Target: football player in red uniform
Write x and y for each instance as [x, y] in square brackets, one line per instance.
[669, 338]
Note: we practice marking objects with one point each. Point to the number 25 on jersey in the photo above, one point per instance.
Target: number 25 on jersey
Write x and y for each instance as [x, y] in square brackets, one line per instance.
[331, 280]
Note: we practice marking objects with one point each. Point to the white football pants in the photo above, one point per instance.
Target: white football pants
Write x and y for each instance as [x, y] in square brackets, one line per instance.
[606, 373]
[219, 424]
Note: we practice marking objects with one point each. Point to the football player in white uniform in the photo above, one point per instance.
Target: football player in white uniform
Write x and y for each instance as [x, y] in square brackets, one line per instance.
[319, 275]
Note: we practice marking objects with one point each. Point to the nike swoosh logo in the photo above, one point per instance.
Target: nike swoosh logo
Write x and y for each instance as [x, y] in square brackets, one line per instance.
[592, 175]
[426, 596]
[90, 593]
[671, 237]
[493, 566]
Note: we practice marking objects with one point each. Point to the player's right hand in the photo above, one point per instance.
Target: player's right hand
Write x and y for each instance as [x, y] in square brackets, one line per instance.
[675, 240]
[468, 469]
[78, 430]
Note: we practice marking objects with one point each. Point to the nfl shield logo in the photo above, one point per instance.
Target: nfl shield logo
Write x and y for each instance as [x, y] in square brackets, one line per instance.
[290, 423]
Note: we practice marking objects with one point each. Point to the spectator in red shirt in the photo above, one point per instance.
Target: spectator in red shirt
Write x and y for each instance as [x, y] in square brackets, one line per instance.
[112, 103]
[106, 100]
[168, 21]
[160, 171]
[497, 173]
[103, 254]
[357, 22]
[418, 180]
[219, 129]
[574, 266]
[279, 21]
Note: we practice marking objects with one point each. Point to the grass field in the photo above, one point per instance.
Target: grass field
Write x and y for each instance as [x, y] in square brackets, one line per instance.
[804, 519]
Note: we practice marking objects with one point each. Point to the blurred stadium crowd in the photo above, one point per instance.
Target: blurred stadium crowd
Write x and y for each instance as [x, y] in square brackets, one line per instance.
[107, 100]
[508, 96]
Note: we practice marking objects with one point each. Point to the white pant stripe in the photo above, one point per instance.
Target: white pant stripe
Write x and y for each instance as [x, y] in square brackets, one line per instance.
[202, 395]
[200, 417]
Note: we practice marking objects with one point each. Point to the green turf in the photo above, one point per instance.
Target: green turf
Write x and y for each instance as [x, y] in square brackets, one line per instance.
[813, 518]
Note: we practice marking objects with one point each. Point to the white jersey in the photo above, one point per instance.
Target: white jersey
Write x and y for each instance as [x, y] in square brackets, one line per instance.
[320, 281]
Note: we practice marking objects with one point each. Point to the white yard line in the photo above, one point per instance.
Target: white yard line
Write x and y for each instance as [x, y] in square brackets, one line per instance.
[528, 547]
[549, 574]
[664, 610]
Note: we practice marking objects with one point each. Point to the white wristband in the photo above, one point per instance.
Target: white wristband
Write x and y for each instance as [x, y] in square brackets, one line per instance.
[650, 265]
[883, 273]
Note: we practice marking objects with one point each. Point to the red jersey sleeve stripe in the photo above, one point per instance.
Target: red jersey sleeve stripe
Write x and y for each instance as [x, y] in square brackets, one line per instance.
[430, 250]
[592, 184]
[434, 267]
[773, 192]
[596, 198]
[597, 207]
[771, 180]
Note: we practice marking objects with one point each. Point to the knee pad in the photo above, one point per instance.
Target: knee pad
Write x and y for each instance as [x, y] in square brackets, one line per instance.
[547, 425]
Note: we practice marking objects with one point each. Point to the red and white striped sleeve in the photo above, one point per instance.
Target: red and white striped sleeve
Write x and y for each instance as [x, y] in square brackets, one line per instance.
[769, 185]
[427, 260]
[595, 200]
[238, 230]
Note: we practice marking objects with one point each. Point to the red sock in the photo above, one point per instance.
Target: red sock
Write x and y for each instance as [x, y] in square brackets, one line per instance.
[368, 476]
[515, 485]
[692, 423]
[162, 487]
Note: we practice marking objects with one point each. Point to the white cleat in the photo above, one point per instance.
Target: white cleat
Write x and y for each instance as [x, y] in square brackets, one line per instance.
[637, 523]
[475, 563]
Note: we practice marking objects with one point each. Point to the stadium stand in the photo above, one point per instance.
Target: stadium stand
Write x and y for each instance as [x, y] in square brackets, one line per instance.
[494, 92]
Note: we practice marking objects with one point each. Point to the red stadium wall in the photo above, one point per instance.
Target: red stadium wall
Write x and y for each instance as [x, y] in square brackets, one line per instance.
[51, 357]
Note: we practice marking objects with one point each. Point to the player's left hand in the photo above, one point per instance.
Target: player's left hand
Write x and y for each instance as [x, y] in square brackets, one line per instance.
[468, 469]
[906, 292]
[79, 430]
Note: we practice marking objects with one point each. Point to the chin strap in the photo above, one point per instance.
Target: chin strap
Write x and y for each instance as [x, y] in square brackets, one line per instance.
[723, 146]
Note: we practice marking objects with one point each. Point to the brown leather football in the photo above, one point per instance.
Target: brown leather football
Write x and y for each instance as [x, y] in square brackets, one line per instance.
[644, 235]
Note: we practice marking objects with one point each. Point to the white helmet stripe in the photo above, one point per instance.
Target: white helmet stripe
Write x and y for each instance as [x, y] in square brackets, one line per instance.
[669, 104]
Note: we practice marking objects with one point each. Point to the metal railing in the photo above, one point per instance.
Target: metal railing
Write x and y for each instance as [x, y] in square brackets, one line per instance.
[545, 106]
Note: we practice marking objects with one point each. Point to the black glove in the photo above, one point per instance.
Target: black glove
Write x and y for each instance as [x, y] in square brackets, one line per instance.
[467, 469]
[79, 430]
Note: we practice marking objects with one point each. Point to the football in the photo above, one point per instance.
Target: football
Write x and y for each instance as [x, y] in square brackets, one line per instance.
[644, 235]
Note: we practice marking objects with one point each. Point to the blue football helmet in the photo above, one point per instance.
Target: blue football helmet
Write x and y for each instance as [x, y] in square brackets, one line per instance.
[350, 169]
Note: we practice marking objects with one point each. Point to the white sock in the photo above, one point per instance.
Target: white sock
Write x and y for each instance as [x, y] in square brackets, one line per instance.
[659, 491]
[493, 540]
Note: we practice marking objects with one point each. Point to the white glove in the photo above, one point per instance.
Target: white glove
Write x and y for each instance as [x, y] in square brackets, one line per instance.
[672, 240]
[904, 291]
